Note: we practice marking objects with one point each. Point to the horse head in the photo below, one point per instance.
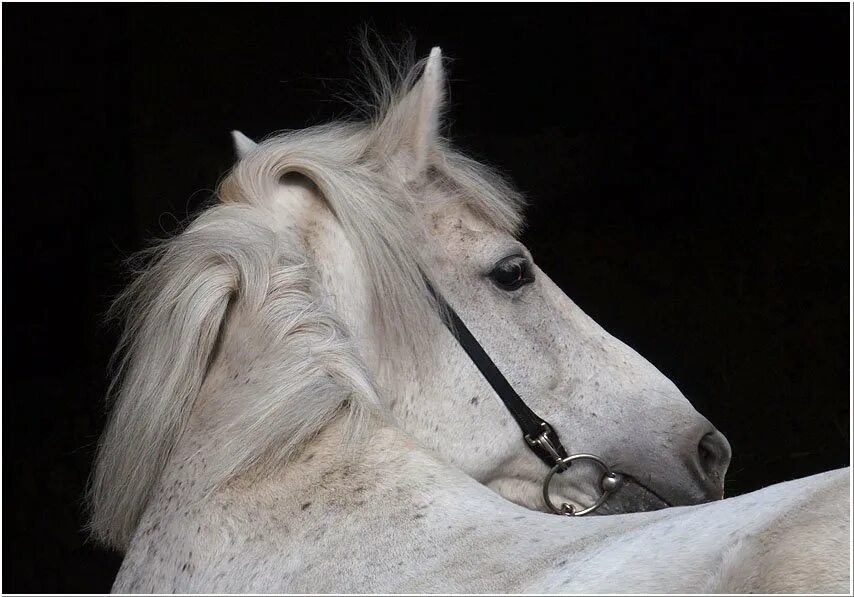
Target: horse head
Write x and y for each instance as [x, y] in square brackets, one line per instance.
[426, 207]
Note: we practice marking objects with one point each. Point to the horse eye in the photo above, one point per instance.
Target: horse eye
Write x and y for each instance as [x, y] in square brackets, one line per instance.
[511, 273]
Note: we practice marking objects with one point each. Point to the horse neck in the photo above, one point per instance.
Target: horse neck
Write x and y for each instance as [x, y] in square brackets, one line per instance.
[329, 482]
[358, 508]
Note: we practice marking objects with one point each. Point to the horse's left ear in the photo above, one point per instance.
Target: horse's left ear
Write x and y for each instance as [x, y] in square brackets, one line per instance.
[409, 130]
[242, 144]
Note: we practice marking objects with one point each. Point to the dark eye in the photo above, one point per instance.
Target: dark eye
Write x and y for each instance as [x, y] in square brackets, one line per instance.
[511, 273]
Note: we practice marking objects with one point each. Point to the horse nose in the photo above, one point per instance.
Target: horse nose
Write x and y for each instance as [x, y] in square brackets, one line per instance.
[711, 461]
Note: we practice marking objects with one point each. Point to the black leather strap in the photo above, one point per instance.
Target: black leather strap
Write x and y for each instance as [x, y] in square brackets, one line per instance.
[539, 435]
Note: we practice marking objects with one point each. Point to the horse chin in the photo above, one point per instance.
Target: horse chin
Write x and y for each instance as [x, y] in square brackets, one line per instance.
[632, 497]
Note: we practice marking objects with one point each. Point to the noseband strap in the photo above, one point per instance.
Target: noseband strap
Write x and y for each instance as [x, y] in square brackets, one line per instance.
[541, 438]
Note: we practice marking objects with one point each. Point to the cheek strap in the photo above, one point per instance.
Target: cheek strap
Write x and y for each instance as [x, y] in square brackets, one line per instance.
[540, 437]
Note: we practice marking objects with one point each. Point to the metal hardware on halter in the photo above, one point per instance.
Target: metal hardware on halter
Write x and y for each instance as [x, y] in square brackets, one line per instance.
[545, 441]
[608, 483]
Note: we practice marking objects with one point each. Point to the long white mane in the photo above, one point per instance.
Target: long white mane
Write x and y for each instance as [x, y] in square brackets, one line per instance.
[233, 269]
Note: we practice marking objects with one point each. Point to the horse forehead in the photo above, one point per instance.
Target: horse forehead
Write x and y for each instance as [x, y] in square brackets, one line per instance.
[456, 226]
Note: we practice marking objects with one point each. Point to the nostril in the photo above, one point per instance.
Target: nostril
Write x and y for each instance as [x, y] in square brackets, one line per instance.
[714, 454]
[708, 455]
[707, 461]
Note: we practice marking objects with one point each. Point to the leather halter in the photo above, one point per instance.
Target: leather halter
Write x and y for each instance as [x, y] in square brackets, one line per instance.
[539, 435]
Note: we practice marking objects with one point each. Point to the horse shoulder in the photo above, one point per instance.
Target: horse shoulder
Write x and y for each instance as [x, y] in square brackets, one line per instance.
[803, 547]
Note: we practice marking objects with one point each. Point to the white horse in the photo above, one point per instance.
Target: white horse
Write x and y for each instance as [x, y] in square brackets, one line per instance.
[290, 414]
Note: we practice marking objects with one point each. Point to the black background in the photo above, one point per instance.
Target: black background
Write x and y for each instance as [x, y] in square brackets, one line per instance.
[687, 169]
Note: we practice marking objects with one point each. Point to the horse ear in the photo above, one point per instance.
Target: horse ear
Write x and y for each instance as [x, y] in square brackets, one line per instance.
[409, 130]
[242, 144]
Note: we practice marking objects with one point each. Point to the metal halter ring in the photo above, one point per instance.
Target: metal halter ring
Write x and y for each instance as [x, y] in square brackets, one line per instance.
[608, 483]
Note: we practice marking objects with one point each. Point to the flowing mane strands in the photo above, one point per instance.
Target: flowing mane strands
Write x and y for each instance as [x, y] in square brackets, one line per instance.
[231, 263]
[227, 266]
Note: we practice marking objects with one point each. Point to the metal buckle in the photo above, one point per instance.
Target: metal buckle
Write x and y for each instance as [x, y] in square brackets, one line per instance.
[545, 442]
[608, 483]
